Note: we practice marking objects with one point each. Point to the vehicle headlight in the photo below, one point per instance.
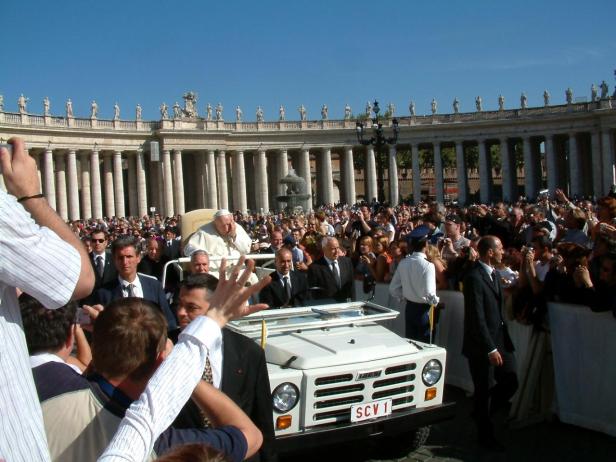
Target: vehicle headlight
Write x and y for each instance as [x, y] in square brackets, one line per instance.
[432, 372]
[285, 397]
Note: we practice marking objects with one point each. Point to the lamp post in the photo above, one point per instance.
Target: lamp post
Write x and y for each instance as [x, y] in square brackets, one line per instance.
[378, 140]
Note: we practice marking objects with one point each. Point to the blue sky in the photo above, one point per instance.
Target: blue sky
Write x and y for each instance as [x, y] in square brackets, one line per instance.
[301, 52]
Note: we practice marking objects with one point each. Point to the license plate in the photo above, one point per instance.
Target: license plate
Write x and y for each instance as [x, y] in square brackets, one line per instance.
[371, 410]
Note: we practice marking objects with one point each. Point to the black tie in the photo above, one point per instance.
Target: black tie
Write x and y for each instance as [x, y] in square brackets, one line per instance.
[336, 273]
[129, 288]
[100, 266]
[287, 289]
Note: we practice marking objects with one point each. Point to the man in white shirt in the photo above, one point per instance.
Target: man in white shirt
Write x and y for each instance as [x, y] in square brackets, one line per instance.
[42, 256]
[415, 281]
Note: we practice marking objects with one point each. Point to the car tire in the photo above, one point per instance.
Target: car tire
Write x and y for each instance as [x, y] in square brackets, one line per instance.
[402, 445]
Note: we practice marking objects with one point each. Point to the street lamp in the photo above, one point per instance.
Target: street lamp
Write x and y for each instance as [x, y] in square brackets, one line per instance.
[378, 140]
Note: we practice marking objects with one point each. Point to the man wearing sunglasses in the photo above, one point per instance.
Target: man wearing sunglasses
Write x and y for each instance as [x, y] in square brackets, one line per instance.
[102, 262]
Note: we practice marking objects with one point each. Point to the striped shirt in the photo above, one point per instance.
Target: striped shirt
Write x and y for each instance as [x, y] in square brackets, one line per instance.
[37, 261]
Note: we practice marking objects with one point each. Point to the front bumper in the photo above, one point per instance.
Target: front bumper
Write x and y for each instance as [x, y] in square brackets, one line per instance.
[391, 426]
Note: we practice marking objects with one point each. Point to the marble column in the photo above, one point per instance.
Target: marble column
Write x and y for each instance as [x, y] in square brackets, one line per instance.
[371, 181]
[118, 184]
[597, 163]
[328, 179]
[262, 193]
[221, 176]
[485, 173]
[607, 149]
[108, 185]
[462, 174]
[394, 191]
[508, 172]
[212, 189]
[282, 170]
[49, 183]
[304, 172]
[416, 173]
[178, 177]
[239, 182]
[61, 187]
[349, 176]
[529, 170]
[200, 166]
[73, 187]
[86, 191]
[95, 177]
[550, 165]
[168, 183]
[439, 181]
[133, 209]
[142, 195]
[575, 167]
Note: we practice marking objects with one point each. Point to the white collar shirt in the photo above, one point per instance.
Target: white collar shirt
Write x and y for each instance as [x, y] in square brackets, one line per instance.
[488, 269]
[137, 288]
[415, 280]
[43, 358]
[282, 276]
[97, 256]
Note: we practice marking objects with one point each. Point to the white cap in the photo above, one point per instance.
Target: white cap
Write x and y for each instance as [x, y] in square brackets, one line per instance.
[222, 213]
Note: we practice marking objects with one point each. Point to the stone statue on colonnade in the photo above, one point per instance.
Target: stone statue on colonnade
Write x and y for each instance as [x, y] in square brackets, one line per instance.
[22, 103]
[604, 90]
[434, 105]
[116, 111]
[208, 112]
[281, 113]
[347, 112]
[412, 108]
[219, 111]
[93, 110]
[593, 92]
[324, 112]
[69, 108]
[478, 104]
[164, 111]
[456, 105]
[190, 104]
[501, 103]
[138, 111]
[569, 95]
[523, 101]
[260, 116]
[391, 109]
[368, 109]
[238, 114]
[177, 111]
[1, 103]
[546, 98]
[302, 112]
[46, 106]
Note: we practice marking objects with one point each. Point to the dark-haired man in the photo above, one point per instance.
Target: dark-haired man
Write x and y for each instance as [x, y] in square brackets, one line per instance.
[486, 343]
[238, 369]
[288, 288]
[129, 282]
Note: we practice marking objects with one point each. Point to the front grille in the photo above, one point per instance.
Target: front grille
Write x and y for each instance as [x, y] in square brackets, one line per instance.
[334, 395]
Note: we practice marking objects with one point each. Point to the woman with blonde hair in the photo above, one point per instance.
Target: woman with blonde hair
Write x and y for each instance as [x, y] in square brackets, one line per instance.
[434, 256]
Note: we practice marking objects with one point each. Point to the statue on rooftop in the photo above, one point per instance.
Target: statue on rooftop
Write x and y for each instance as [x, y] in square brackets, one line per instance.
[219, 111]
[391, 109]
[164, 111]
[238, 114]
[501, 103]
[324, 112]
[604, 90]
[116, 111]
[478, 104]
[93, 110]
[177, 111]
[368, 109]
[281, 113]
[1, 103]
[302, 112]
[69, 108]
[190, 104]
[138, 111]
[569, 95]
[456, 105]
[523, 101]
[347, 112]
[22, 103]
[46, 106]
[593, 92]
[546, 98]
[434, 105]
[208, 112]
[412, 108]
[260, 116]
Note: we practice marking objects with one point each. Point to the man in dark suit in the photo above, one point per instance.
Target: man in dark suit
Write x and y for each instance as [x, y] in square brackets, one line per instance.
[332, 274]
[240, 372]
[288, 288]
[487, 344]
[101, 260]
[129, 283]
[172, 245]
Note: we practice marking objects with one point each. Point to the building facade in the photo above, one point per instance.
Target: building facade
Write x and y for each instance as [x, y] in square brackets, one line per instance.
[92, 167]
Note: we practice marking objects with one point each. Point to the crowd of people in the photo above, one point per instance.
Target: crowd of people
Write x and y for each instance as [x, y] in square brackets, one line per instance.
[102, 362]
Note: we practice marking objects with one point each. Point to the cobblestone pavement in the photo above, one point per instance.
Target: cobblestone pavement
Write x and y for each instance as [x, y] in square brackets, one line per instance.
[454, 441]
